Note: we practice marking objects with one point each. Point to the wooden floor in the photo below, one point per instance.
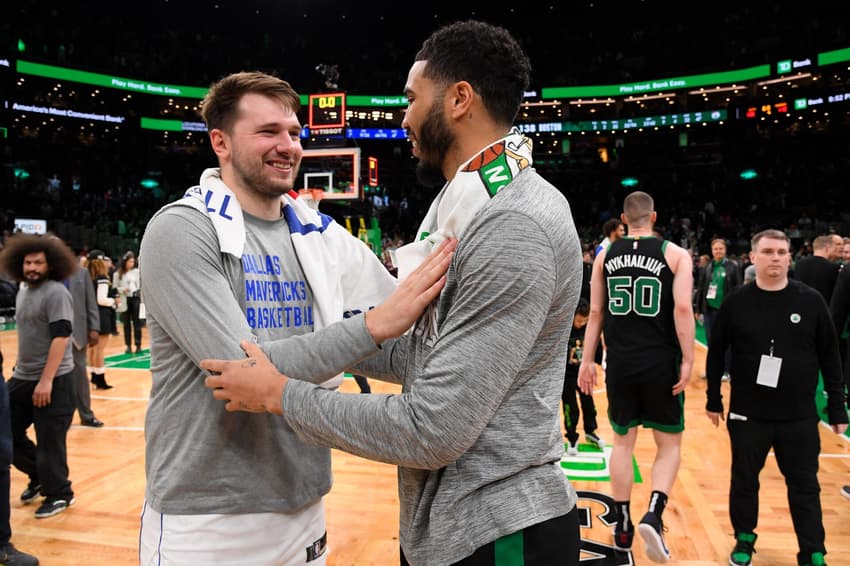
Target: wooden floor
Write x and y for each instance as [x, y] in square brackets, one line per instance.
[107, 471]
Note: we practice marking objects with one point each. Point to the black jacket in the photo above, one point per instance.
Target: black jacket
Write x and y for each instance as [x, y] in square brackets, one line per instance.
[818, 273]
[795, 325]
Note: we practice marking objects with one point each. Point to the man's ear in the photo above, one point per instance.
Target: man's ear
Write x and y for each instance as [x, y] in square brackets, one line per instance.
[460, 96]
[219, 142]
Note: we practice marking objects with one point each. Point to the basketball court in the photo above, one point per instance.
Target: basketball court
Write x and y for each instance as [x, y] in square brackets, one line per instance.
[107, 471]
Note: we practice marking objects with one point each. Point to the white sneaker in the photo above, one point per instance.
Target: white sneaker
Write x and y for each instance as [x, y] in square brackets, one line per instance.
[572, 448]
[593, 438]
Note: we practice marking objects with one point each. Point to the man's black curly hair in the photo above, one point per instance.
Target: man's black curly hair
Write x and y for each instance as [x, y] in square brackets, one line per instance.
[486, 56]
[61, 261]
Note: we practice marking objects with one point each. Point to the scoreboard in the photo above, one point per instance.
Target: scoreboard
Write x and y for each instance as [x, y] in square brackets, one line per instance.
[326, 111]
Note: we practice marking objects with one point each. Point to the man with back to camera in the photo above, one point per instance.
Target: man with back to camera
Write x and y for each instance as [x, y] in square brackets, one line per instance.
[475, 432]
[781, 335]
[837, 253]
[239, 257]
[819, 270]
[641, 293]
[839, 308]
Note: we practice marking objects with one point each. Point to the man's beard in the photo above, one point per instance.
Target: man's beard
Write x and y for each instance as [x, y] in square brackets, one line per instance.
[34, 279]
[255, 179]
[434, 140]
[429, 175]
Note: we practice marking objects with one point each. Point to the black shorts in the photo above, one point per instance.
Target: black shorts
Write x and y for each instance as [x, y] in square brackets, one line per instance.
[555, 541]
[648, 403]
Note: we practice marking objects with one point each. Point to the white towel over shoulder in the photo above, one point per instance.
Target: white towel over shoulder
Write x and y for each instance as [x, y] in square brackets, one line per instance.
[345, 276]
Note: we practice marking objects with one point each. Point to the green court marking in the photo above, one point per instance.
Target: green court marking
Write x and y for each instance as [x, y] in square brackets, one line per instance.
[142, 360]
[820, 403]
[592, 464]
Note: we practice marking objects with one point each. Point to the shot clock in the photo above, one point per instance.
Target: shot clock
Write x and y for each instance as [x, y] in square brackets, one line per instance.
[326, 111]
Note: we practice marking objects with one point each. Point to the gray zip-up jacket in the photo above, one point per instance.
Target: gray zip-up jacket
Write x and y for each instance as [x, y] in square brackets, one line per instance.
[476, 429]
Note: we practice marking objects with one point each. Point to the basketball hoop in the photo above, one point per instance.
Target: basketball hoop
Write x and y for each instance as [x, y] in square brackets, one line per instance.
[311, 196]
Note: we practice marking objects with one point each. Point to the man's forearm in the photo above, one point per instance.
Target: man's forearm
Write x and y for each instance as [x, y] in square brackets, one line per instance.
[54, 357]
[320, 355]
[685, 331]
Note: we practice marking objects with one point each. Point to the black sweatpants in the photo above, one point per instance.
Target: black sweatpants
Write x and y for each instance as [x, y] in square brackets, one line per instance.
[5, 461]
[571, 412]
[46, 463]
[132, 323]
[796, 445]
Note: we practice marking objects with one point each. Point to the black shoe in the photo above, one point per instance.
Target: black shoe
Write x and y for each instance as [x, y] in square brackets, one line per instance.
[31, 493]
[99, 381]
[651, 529]
[52, 506]
[128, 351]
[623, 539]
[92, 422]
[742, 554]
[11, 556]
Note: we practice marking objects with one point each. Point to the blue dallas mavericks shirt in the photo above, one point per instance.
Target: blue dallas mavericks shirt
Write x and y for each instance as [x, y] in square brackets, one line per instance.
[278, 299]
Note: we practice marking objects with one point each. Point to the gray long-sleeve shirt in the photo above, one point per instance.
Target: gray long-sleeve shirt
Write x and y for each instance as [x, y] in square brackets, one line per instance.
[475, 431]
[201, 303]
